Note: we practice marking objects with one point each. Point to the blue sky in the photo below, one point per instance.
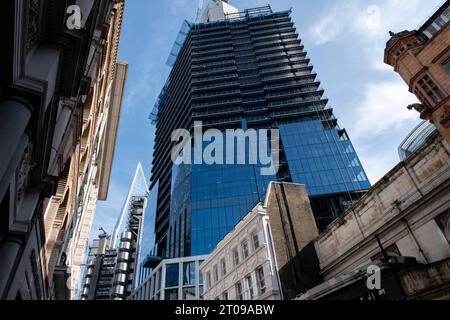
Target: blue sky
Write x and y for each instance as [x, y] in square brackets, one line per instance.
[345, 40]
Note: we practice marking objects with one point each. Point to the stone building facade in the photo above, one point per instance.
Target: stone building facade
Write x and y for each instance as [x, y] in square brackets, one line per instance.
[402, 225]
[60, 100]
[243, 266]
[422, 59]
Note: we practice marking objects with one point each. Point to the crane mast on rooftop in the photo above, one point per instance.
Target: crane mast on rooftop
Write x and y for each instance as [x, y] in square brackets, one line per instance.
[199, 10]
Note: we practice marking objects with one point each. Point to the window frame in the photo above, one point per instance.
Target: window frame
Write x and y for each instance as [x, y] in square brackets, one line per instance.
[208, 279]
[239, 291]
[216, 273]
[255, 236]
[249, 284]
[236, 258]
[223, 266]
[260, 282]
[245, 248]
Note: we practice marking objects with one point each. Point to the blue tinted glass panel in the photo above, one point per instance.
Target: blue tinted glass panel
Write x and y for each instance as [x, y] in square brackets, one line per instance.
[172, 274]
[322, 159]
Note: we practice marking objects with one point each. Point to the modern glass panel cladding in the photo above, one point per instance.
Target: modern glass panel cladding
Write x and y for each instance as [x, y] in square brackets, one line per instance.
[147, 236]
[248, 70]
[416, 139]
[322, 158]
[138, 188]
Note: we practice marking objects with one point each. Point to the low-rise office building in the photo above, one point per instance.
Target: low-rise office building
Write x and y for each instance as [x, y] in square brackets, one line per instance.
[243, 266]
[173, 279]
[261, 258]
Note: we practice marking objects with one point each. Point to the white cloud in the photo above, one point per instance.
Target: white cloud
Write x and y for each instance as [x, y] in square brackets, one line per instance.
[327, 29]
[334, 23]
[383, 108]
[379, 122]
[370, 19]
[373, 18]
[367, 24]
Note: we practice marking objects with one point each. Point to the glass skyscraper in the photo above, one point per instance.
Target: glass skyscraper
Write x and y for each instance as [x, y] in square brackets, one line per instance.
[244, 70]
[138, 188]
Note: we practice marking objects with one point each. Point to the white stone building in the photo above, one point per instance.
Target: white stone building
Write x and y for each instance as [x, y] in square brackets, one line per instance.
[243, 265]
[269, 255]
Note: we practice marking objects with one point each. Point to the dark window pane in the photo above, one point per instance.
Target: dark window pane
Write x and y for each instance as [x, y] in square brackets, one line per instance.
[171, 294]
[172, 273]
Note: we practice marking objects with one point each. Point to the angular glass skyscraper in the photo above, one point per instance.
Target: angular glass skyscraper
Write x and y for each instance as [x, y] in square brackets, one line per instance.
[138, 188]
[244, 70]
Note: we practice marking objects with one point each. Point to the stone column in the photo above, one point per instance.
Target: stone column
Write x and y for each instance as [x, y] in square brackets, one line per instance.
[9, 249]
[15, 113]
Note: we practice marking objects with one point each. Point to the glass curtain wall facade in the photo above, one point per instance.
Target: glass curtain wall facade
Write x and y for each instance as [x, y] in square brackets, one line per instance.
[147, 237]
[247, 71]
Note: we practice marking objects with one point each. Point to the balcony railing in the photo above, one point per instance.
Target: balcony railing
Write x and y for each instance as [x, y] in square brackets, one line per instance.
[283, 59]
[212, 57]
[216, 103]
[250, 109]
[219, 44]
[215, 85]
[288, 93]
[286, 76]
[214, 70]
[252, 91]
[295, 101]
[214, 78]
[276, 69]
[253, 100]
[270, 56]
[217, 112]
[225, 121]
[216, 94]
[211, 51]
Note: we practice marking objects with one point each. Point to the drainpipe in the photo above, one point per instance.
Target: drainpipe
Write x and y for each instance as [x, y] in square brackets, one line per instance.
[419, 247]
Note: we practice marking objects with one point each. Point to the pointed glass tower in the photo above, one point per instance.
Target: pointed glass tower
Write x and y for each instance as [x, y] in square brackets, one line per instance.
[139, 188]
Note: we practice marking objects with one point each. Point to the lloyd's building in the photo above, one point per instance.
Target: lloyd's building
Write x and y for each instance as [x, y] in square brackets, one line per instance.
[243, 70]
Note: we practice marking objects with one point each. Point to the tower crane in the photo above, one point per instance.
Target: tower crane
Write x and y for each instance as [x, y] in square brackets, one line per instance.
[199, 10]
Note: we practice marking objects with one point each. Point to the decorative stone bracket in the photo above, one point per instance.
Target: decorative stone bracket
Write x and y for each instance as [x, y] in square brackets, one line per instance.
[425, 112]
[445, 117]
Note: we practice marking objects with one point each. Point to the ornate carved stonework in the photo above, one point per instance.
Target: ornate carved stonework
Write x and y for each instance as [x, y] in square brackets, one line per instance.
[445, 117]
[33, 13]
[425, 112]
[26, 164]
